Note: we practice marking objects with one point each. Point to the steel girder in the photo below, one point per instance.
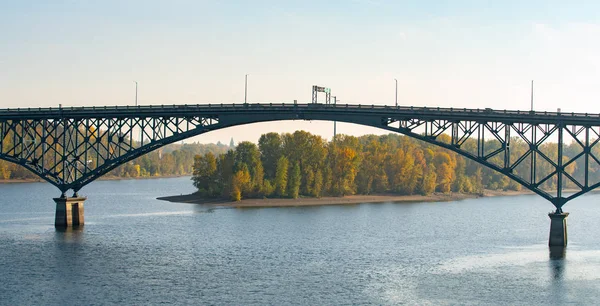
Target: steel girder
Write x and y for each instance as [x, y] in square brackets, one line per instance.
[70, 147]
[541, 153]
[72, 152]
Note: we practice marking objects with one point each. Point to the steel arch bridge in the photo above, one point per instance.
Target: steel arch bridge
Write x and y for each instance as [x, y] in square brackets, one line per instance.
[71, 147]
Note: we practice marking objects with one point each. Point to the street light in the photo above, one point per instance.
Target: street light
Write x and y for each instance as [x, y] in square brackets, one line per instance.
[396, 92]
[532, 95]
[334, 122]
[136, 104]
[136, 85]
[246, 89]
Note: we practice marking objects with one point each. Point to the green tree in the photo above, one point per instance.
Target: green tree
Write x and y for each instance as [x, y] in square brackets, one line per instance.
[281, 177]
[294, 181]
[318, 184]
[225, 169]
[247, 153]
[204, 176]
[270, 146]
[268, 189]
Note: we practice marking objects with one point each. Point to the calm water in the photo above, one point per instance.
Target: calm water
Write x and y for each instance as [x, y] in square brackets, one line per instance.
[138, 250]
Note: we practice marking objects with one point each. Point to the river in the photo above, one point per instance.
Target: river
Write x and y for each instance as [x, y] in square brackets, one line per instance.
[135, 249]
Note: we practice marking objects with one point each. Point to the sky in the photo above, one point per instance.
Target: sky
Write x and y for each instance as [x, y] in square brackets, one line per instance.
[446, 53]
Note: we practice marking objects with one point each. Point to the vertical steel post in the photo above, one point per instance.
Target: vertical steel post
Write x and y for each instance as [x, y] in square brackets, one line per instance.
[533, 153]
[506, 146]
[587, 151]
[560, 169]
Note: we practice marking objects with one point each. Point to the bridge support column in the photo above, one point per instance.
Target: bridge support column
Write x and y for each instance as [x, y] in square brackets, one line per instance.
[558, 229]
[69, 211]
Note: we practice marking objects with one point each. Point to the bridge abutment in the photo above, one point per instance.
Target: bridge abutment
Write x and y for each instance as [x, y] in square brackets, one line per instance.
[69, 211]
[558, 229]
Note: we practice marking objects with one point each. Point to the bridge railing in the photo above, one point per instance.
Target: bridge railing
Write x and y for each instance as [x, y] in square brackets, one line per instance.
[236, 106]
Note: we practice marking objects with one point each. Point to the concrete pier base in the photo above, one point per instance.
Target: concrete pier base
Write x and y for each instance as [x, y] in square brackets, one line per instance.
[69, 211]
[558, 229]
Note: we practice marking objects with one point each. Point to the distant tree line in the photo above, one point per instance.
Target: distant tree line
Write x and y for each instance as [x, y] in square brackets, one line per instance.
[302, 164]
[171, 160]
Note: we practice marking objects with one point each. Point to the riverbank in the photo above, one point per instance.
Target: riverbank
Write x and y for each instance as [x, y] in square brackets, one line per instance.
[102, 178]
[20, 181]
[346, 200]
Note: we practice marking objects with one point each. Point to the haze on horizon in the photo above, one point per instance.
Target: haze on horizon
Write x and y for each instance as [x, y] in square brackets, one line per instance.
[463, 53]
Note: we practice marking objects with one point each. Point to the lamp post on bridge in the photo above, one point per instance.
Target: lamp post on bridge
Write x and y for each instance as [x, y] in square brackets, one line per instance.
[136, 86]
[246, 89]
[334, 122]
[532, 95]
[396, 92]
[136, 104]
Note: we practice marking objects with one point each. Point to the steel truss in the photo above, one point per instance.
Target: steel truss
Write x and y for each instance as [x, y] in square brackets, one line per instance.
[489, 143]
[72, 147]
[72, 152]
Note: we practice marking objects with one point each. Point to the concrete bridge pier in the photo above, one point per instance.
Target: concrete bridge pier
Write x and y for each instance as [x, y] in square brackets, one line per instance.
[69, 211]
[558, 229]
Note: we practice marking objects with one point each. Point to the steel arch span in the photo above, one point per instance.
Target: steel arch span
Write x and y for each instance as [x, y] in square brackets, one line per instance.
[71, 147]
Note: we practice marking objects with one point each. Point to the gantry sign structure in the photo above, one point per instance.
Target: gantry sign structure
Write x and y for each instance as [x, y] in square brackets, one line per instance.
[315, 94]
[71, 147]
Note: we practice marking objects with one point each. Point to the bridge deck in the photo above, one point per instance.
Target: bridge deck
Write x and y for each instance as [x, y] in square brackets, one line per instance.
[508, 116]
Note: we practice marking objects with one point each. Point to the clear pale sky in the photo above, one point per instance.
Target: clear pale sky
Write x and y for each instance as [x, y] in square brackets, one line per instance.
[454, 53]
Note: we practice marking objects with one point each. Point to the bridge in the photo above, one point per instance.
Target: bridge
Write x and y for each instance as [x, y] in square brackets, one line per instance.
[71, 147]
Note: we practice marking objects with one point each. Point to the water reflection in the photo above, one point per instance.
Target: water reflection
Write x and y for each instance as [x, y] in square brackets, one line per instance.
[69, 262]
[71, 234]
[557, 262]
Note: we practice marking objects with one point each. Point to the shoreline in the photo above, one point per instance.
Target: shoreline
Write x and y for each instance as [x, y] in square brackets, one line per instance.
[107, 178]
[325, 201]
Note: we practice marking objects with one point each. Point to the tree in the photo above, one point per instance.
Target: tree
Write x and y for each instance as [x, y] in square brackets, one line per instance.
[403, 180]
[371, 175]
[309, 151]
[4, 170]
[268, 189]
[231, 144]
[137, 170]
[258, 180]
[167, 164]
[247, 153]
[318, 184]
[294, 181]
[281, 177]
[241, 183]
[444, 176]
[345, 166]
[429, 181]
[204, 176]
[225, 172]
[270, 147]
[444, 165]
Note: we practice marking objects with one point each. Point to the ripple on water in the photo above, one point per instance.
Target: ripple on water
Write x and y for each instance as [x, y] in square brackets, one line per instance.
[136, 250]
